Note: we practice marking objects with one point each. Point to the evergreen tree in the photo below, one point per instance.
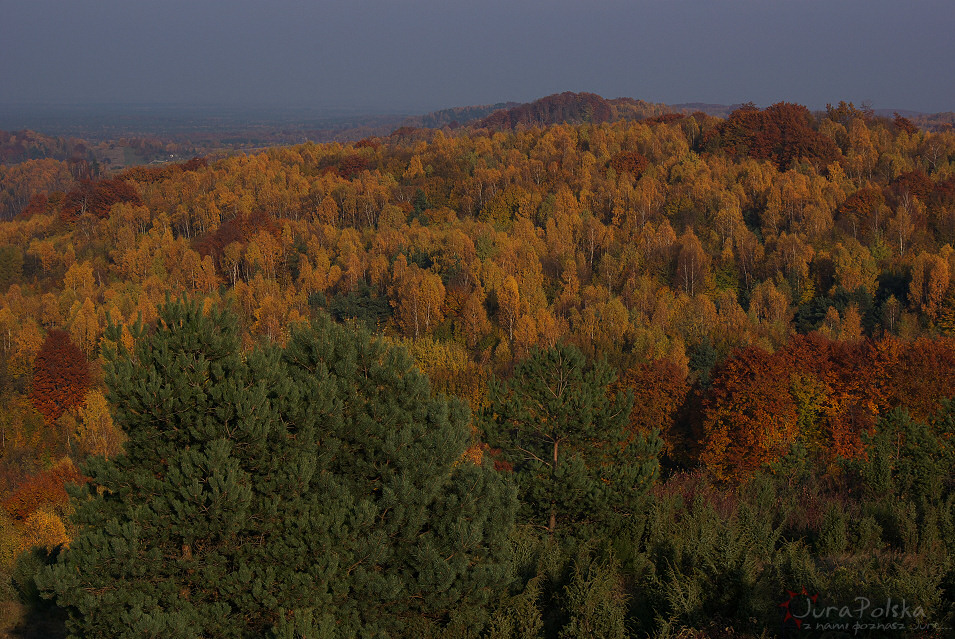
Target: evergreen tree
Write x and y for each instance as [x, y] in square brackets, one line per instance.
[908, 457]
[316, 492]
[565, 438]
[703, 358]
[175, 536]
[427, 533]
[595, 601]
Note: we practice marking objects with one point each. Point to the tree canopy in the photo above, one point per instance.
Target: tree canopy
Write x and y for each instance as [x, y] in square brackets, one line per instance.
[557, 427]
[323, 484]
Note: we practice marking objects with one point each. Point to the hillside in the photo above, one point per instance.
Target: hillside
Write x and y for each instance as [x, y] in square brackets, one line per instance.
[774, 288]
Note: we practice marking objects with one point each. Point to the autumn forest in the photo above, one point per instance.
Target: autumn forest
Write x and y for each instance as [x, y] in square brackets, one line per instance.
[684, 365]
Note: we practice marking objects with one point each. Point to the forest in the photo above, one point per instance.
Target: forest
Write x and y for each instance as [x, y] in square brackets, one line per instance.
[580, 368]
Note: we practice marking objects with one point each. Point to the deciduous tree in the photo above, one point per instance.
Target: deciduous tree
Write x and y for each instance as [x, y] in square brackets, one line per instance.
[749, 417]
[60, 376]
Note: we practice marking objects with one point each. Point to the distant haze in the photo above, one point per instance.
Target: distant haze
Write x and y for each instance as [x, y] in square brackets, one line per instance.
[421, 55]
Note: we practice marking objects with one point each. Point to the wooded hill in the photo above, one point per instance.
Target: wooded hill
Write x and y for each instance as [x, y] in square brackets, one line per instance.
[769, 287]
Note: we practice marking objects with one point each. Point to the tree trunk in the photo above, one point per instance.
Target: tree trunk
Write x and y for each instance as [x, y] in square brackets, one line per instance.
[552, 526]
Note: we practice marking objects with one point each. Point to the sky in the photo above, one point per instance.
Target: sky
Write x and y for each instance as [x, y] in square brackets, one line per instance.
[414, 56]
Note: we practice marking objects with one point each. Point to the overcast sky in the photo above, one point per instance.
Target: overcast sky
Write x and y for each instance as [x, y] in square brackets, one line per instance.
[420, 55]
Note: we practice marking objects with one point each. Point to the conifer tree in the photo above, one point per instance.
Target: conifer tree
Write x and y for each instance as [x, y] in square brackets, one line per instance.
[566, 440]
[317, 491]
[175, 536]
[424, 534]
[595, 602]
[907, 457]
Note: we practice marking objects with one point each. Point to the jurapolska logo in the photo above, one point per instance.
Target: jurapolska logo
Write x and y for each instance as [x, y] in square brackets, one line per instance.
[793, 598]
[809, 611]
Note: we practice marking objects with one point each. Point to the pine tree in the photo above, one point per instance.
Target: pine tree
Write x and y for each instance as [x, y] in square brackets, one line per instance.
[557, 426]
[315, 490]
[175, 534]
[427, 535]
[908, 457]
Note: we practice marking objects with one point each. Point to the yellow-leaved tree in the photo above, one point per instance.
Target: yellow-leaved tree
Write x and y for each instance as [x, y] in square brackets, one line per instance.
[97, 435]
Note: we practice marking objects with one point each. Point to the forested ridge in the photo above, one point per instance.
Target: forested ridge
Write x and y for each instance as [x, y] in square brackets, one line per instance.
[755, 315]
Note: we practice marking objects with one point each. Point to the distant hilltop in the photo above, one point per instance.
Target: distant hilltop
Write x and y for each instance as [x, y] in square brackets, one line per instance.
[116, 137]
[574, 108]
[571, 107]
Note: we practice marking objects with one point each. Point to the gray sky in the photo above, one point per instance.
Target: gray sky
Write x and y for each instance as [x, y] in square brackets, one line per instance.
[420, 55]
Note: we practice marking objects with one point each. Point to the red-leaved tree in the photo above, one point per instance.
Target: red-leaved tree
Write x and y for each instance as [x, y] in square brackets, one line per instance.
[61, 376]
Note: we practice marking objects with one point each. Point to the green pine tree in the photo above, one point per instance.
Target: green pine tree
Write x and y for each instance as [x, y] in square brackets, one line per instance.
[557, 426]
[908, 457]
[171, 533]
[427, 535]
[316, 491]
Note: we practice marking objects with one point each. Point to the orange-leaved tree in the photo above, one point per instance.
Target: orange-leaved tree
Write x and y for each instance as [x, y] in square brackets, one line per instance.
[659, 389]
[44, 489]
[749, 417]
